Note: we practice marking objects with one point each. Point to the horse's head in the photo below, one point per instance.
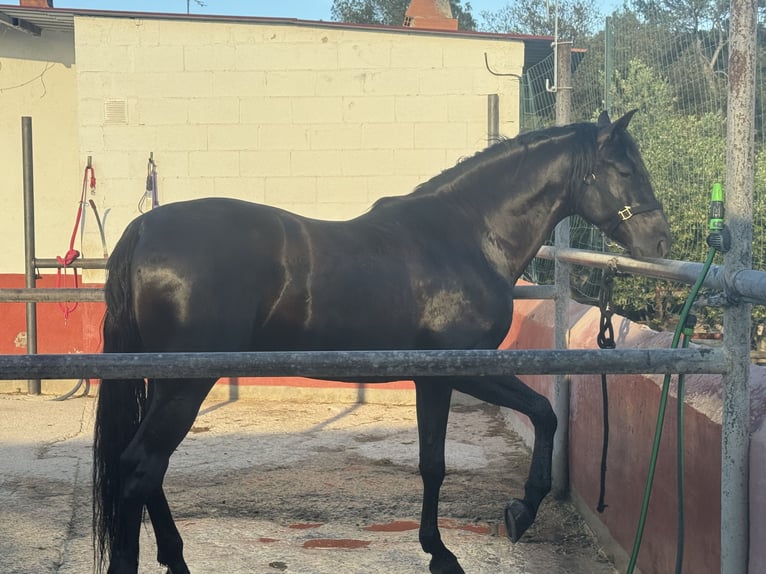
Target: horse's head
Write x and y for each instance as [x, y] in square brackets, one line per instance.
[617, 195]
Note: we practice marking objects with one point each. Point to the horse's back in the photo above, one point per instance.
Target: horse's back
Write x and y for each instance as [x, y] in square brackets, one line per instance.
[201, 270]
[222, 274]
[204, 228]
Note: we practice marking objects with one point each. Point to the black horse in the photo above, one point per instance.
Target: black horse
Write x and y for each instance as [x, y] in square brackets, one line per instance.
[430, 270]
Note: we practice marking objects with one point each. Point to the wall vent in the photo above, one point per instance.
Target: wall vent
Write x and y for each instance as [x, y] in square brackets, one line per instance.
[116, 112]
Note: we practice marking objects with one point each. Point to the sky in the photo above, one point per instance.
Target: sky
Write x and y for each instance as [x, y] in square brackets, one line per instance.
[301, 9]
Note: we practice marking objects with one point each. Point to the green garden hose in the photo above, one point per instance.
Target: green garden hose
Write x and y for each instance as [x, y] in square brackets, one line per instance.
[717, 242]
[688, 331]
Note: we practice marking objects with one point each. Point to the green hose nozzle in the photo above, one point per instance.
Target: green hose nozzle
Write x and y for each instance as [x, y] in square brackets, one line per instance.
[715, 216]
[718, 237]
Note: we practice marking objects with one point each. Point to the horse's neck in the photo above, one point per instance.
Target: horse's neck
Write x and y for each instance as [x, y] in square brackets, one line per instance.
[531, 206]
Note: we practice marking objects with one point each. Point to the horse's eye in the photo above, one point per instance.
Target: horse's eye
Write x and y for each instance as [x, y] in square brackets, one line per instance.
[625, 173]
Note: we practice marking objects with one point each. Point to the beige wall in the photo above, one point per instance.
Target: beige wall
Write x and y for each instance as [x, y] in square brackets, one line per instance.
[37, 79]
[319, 120]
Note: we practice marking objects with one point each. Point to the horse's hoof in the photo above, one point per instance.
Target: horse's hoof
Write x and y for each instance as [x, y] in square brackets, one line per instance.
[179, 568]
[446, 565]
[517, 519]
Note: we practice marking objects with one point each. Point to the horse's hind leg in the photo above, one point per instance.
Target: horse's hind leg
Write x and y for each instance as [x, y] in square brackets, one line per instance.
[512, 393]
[169, 542]
[433, 402]
[173, 407]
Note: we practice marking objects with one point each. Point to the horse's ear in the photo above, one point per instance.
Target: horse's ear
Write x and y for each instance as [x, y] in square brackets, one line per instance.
[622, 123]
[606, 129]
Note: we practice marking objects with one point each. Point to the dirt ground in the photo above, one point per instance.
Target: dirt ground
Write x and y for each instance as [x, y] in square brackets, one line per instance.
[292, 487]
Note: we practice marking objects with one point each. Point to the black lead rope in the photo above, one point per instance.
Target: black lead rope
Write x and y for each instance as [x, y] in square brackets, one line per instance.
[605, 340]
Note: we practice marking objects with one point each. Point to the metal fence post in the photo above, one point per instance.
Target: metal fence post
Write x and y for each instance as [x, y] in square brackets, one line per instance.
[740, 167]
[608, 63]
[560, 468]
[33, 385]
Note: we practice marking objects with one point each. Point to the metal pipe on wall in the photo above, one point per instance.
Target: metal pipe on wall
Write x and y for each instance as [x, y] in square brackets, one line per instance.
[33, 385]
[493, 118]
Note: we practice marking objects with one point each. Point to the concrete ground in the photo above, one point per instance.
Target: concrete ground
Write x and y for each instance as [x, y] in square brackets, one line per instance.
[290, 487]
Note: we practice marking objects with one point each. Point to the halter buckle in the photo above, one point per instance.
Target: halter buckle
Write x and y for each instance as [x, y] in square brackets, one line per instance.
[625, 213]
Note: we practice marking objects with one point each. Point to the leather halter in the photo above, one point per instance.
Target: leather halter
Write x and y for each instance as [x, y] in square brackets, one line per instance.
[629, 211]
[626, 212]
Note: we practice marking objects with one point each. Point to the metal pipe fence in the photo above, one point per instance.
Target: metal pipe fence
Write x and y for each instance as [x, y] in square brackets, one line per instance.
[33, 385]
[561, 270]
[48, 263]
[362, 365]
[96, 295]
[747, 284]
[39, 295]
[740, 174]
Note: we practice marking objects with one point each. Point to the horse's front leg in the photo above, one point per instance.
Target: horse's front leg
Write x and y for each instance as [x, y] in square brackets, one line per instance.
[512, 393]
[433, 402]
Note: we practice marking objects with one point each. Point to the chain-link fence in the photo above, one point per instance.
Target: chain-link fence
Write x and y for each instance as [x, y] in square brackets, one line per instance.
[673, 69]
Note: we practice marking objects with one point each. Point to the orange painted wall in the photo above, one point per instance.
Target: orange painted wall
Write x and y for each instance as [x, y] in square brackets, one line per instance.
[81, 333]
[633, 406]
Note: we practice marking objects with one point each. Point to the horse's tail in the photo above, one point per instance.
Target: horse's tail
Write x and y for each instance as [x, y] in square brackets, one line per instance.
[121, 402]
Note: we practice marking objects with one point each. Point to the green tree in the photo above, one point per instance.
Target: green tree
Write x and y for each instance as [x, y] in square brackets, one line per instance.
[465, 19]
[685, 15]
[385, 12]
[577, 18]
[685, 154]
[391, 12]
[694, 42]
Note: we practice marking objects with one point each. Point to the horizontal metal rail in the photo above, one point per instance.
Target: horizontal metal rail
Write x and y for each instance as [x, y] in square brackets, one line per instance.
[42, 263]
[91, 295]
[362, 365]
[41, 295]
[747, 284]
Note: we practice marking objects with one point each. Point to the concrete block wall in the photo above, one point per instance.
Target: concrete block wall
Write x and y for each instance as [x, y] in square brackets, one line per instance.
[321, 120]
[38, 79]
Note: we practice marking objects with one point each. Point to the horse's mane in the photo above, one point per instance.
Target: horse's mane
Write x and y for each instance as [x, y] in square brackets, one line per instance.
[580, 138]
